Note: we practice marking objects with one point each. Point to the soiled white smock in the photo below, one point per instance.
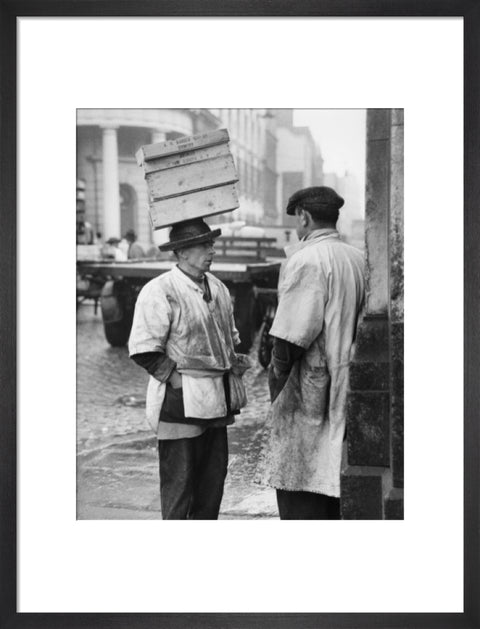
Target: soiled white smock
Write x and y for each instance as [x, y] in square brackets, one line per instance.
[171, 316]
[321, 292]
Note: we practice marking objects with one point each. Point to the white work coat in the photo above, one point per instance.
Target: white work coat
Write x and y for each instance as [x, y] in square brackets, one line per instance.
[321, 292]
[171, 316]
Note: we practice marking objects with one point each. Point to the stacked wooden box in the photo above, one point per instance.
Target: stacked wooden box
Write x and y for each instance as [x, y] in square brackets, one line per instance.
[190, 177]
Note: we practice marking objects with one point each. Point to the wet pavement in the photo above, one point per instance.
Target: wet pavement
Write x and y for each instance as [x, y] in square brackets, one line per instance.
[117, 461]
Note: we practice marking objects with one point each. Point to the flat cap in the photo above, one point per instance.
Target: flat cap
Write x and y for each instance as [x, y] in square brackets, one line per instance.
[315, 198]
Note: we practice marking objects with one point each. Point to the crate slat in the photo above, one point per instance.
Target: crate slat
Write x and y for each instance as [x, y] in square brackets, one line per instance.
[193, 205]
[199, 155]
[180, 145]
[191, 177]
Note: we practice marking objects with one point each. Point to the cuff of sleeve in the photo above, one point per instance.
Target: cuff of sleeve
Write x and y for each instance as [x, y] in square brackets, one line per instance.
[281, 356]
[164, 370]
[143, 348]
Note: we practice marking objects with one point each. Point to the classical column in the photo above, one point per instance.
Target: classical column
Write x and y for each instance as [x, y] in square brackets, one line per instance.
[111, 194]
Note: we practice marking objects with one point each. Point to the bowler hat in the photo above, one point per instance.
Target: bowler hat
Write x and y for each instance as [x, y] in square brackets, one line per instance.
[189, 233]
[316, 199]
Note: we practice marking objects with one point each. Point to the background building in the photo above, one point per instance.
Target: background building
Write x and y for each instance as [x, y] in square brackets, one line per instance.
[274, 158]
[116, 197]
[253, 145]
[299, 161]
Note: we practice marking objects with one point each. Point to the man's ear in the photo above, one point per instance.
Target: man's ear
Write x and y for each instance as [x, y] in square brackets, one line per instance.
[306, 218]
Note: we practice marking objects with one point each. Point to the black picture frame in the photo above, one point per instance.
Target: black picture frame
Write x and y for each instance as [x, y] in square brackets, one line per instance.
[470, 11]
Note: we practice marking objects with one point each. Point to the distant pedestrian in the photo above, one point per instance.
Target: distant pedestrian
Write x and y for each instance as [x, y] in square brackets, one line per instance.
[321, 293]
[85, 231]
[134, 251]
[184, 335]
[112, 251]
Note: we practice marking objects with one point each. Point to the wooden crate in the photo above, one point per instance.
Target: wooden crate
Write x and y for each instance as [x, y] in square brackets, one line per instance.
[191, 177]
[193, 205]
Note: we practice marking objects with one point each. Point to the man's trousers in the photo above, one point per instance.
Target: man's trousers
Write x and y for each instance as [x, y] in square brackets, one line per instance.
[305, 505]
[192, 475]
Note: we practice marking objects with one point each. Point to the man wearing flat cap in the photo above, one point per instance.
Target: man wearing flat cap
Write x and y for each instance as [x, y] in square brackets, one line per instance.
[184, 335]
[321, 293]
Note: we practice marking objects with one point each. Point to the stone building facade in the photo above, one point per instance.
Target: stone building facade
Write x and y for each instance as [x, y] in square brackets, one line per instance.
[274, 159]
[263, 143]
[253, 146]
[299, 161]
[372, 479]
[116, 197]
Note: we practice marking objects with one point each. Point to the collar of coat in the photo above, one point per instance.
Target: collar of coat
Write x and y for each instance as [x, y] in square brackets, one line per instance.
[208, 286]
[310, 239]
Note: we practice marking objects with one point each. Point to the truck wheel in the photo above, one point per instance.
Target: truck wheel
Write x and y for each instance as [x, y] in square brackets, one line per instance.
[245, 315]
[117, 316]
[266, 344]
[117, 332]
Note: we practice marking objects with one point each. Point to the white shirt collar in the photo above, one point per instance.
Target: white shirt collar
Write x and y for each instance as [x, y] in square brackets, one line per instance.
[315, 236]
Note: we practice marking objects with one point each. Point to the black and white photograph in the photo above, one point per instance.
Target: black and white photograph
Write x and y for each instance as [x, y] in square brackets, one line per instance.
[262, 308]
[239, 314]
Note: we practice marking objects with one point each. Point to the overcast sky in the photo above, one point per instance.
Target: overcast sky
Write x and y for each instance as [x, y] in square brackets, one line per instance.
[340, 133]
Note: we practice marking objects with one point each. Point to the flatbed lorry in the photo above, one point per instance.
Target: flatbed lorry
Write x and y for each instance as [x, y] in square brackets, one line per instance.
[245, 270]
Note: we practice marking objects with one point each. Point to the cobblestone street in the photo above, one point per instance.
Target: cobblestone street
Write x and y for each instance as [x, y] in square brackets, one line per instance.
[117, 463]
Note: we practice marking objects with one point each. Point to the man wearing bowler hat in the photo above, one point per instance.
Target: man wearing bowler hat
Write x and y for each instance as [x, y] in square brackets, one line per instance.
[184, 335]
[321, 292]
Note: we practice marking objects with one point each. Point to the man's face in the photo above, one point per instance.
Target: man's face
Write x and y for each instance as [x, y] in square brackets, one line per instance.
[198, 259]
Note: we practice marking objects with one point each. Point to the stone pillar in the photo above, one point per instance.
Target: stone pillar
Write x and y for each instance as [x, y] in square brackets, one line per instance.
[376, 211]
[111, 188]
[373, 477]
[396, 297]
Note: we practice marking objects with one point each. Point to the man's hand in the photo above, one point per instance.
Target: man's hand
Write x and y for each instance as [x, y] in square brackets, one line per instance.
[276, 382]
[175, 380]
